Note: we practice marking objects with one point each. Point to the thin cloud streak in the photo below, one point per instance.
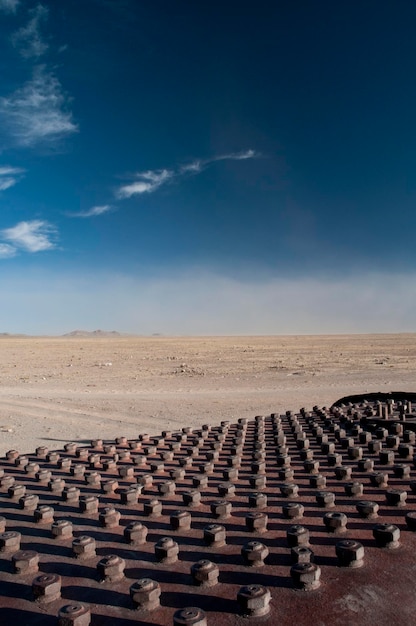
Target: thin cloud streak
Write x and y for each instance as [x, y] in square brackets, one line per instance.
[151, 180]
[93, 212]
[9, 6]
[147, 182]
[7, 251]
[9, 176]
[32, 236]
[36, 113]
[28, 39]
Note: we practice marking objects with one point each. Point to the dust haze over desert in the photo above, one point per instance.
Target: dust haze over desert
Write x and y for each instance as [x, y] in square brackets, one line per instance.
[86, 385]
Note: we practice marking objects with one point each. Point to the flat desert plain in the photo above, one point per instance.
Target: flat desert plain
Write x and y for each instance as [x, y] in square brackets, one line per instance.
[59, 389]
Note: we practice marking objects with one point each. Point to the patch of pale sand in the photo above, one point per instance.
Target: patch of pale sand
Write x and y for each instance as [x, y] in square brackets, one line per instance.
[54, 390]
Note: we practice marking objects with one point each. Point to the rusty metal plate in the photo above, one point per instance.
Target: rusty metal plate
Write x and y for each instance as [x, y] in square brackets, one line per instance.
[296, 518]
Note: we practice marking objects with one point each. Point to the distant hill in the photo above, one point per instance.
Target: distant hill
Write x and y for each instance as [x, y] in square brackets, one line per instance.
[93, 333]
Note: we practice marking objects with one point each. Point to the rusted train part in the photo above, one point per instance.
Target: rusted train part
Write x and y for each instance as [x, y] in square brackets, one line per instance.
[282, 519]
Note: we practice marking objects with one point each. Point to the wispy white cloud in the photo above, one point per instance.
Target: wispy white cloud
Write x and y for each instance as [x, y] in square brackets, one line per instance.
[32, 236]
[9, 6]
[7, 251]
[150, 180]
[37, 112]
[9, 176]
[146, 182]
[28, 39]
[93, 212]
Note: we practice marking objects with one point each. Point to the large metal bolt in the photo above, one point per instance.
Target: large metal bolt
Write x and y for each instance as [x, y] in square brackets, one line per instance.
[71, 494]
[152, 508]
[343, 472]
[334, 459]
[386, 535]
[111, 568]
[180, 520]
[230, 473]
[355, 453]
[386, 457]
[379, 479]
[354, 489]
[145, 480]
[297, 535]
[43, 476]
[93, 479]
[16, 491]
[166, 550]
[366, 465]
[256, 522]
[199, 481]
[289, 490]
[405, 451]
[411, 520]
[145, 594]
[206, 468]
[77, 470]
[83, 547]
[350, 553]
[205, 573]
[254, 600]
[46, 588]
[327, 447]
[221, 509]
[257, 481]
[226, 489]
[335, 522]
[126, 471]
[130, 495]
[177, 473]
[306, 454]
[44, 514]
[89, 504]
[311, 466]
[254, 553]
[257, 500]
[301, 554]
[167, 488]
[367, 509]
[396, 497]
[75, 614]
[401, 470]
[286, 474]
[10, 541]
[135, 533]
[109, 517]
[191, 498]
[56, 485]
[61, 529]
[293, 510]
[317, 481]
[214, 535]
[29, 502]
[190, 616]
[25, 561]
[306, 576]
[32, 468]
[325, 499]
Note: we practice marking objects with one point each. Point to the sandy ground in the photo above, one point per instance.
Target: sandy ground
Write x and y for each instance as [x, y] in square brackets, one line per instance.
[55, 390]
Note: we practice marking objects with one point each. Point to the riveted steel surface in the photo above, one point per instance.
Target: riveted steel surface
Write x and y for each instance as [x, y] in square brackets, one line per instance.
[295, 518]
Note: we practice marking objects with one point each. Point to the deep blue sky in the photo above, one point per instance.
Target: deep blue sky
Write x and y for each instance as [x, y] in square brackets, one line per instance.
[207, 167]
